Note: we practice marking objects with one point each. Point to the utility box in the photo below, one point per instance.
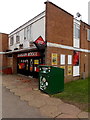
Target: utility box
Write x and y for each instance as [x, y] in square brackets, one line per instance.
[51, 79]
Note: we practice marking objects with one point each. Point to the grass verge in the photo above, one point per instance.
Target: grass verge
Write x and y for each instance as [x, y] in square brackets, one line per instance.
[76, 93]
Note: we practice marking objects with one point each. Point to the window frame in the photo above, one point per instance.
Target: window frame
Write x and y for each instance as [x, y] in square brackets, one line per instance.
[88, 34]
[11, 40]
[62, 59]
[69, 59]
[76, 28]
[17, 37]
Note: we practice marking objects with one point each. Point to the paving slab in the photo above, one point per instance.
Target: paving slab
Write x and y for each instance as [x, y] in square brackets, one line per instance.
[29, 95]
[36, 103]
[53, 101]
[50, 111]
[69, 109]
[21, 91]
[66, 116]
[6, 83]
[83, 115]
[26, 97]
[14, 85]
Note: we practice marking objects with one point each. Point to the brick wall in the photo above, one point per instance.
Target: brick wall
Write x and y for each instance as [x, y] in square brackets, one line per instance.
[59, 29]
[3, 48]
[65, 52]
[84, 43]
[59, 25]
[12, 62]
[0, 42]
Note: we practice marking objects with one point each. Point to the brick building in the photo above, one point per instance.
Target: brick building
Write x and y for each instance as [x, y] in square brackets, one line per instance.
[3, 48]
[55, 38]
[89, 12]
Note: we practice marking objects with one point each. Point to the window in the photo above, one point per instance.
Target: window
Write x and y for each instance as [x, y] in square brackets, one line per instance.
[27, 33]
[17, 38]
[76, 71]
[62, 59]
[76, 31]
[88, 34]
[76, 57]
[76, 42]
[11, 40]
[69, 59]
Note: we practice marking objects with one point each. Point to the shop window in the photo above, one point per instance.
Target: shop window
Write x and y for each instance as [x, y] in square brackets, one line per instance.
[11, 40]
[69, 59]
[88, 34]
[62, 59]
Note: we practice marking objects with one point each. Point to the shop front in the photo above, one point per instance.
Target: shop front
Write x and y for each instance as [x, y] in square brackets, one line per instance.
[27, 63]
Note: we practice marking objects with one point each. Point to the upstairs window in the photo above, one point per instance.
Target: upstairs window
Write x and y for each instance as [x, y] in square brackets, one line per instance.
[88, 34]
[11, 40]
[76, 31]
[27, 33]
[17, 38]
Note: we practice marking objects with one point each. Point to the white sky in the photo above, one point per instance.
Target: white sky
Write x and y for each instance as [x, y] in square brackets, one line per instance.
[14, 13]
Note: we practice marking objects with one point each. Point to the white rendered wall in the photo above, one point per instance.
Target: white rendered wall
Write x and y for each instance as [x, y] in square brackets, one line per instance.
[37, 28]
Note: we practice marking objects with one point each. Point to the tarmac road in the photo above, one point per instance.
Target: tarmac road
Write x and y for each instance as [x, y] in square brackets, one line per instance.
[13, 107]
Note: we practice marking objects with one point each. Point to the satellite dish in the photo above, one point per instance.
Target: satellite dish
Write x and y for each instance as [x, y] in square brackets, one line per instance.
[78, 14]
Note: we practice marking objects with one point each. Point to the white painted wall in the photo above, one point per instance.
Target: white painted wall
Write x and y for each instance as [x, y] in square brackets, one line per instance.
[37, 28]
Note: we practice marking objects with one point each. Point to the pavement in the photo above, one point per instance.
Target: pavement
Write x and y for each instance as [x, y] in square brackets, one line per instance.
[44, 105]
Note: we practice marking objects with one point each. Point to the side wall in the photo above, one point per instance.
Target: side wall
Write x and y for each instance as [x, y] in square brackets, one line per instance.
[59, 29]
[3, 48]
[59, 25]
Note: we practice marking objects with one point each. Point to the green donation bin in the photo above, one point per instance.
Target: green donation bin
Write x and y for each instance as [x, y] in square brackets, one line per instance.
[51, 79]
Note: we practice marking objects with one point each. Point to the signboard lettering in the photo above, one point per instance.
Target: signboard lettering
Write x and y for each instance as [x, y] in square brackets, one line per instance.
[30, 54]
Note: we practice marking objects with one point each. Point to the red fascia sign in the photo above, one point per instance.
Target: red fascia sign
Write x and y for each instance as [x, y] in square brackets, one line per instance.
[30, 54]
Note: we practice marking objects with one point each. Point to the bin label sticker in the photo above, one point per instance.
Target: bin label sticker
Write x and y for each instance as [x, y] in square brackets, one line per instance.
[43, 83]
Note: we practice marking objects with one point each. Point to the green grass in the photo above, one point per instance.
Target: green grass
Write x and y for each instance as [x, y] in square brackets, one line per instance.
[75, 92]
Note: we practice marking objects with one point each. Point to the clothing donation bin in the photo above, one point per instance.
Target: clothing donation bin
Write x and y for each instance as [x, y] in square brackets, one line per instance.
[51, 79]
